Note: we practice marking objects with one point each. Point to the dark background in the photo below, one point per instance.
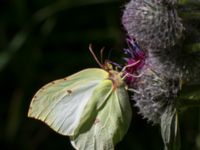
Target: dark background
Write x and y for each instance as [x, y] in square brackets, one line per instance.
[44, 40]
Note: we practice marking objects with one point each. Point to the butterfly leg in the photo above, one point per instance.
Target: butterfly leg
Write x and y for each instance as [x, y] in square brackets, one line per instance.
[133, 90]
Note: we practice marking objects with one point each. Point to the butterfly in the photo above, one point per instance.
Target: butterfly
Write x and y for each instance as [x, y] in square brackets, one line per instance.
[91, 107]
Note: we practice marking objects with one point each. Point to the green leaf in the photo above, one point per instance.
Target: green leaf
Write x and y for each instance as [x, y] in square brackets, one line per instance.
[170, 129]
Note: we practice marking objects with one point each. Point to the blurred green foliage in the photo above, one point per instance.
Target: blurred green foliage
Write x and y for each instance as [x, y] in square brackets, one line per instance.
[41, 41]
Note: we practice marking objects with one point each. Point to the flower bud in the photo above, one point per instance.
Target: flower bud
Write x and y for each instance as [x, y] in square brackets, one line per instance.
[154, 23]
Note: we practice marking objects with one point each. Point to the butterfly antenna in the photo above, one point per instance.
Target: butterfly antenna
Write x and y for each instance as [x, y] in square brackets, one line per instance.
[95, 57]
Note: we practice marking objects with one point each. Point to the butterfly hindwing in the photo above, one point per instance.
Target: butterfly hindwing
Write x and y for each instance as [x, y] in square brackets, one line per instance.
[111, 122]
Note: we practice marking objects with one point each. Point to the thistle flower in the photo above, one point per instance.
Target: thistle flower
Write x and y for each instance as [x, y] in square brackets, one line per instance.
[157, 88]
[154, 23]
[135, 60]
[162, 74]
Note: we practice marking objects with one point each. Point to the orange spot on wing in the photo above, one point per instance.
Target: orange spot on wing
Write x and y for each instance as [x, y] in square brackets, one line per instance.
[69, 91]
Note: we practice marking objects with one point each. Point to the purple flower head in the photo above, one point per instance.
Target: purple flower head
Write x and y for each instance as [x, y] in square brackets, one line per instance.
[135, 60]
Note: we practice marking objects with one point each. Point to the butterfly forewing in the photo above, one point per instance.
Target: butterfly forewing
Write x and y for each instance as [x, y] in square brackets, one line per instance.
[60, 103]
